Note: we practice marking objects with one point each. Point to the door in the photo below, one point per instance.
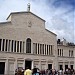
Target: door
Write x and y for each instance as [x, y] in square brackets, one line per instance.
[60, 67]
[2, 67]
[49, 66]
[28, 64]
[66, 67]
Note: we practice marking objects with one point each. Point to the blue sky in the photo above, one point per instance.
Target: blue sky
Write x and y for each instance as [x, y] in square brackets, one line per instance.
[58, 14]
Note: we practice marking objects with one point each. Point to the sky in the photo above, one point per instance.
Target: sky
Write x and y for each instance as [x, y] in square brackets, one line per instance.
[58, 14]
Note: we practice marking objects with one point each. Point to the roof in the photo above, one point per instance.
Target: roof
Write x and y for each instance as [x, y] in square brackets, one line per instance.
[5, 22]
[24, 12]
[66, 45]
[51, 32]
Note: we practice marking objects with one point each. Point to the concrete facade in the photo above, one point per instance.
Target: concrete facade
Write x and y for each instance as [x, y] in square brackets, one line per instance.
[66, 55]
[24, 39]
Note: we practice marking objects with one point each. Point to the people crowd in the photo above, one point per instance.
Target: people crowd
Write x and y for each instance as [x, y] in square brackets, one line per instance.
[36, 71]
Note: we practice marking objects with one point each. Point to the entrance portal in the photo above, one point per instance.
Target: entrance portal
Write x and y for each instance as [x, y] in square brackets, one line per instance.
[60, 67]
[49, 66]
[28, 64]
[66, 67]
[2, 67]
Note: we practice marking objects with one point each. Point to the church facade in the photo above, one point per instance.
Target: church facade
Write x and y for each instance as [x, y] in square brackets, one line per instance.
[24, 41]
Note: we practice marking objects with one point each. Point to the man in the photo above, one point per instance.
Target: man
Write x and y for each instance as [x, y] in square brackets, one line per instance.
[28, 71]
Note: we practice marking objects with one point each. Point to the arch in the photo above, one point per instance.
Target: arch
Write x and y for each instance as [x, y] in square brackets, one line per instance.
[28, 45]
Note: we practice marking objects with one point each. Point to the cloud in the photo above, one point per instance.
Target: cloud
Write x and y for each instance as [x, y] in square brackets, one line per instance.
[59, 14]
[9, 6]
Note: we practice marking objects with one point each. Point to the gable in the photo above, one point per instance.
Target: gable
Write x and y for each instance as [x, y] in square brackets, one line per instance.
[25, 19]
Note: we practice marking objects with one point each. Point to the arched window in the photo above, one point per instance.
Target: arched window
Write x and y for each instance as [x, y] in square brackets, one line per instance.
[28, 45]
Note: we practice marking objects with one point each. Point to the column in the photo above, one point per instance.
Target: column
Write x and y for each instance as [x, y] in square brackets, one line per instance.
[31, 47]
[16, 46]
[37, 48]
[46, 65]
[15, 64]
[10, 45]
[56, 57]
[6, 67]
[54, 65]
[13, 45]
[19, 46]
[69, 64]
[40, 64]
[74, 58]
[1, 44]
[5, 45]
[63, 67]
[53, 50]
[24, 64]
[32, 66]
[50, 49]
[22, 46]
[46, 49]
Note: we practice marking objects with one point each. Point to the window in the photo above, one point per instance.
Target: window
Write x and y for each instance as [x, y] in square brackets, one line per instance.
[47, 49]
[35, 48]
[69, 53]
[38, 48]
[12, 46]
[71, 66]
[6, 45]
[17, 46]
[9, 46]
[43, 48]
[0, 44]
[58, 52]
[28, 45]
[20, 46]
[51, 50]
[72, 53]
[23, 46]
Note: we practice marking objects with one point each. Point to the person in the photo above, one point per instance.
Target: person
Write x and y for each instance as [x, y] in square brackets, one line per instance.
[60, 72]
[19, 72]
[16, 72]
[35, 72]
[27, 71]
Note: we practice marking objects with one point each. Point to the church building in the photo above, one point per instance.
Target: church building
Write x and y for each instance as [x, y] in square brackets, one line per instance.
[24, 41]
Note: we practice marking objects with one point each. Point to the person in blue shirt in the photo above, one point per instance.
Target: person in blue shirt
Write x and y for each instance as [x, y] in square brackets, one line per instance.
[35, 72]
